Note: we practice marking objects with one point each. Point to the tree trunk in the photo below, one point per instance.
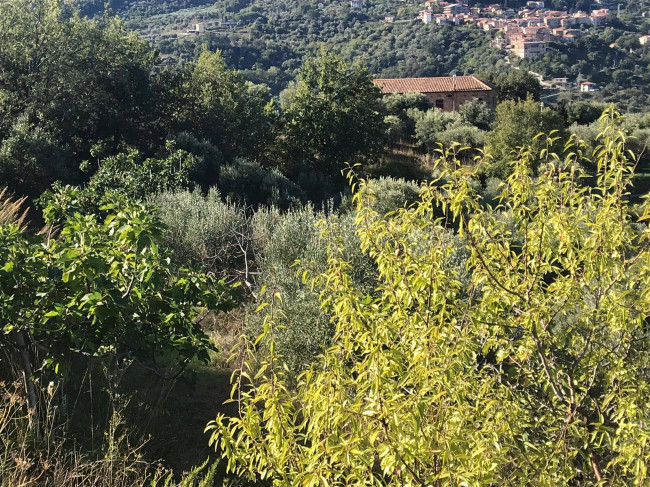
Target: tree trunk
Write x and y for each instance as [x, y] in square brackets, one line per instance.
[26, 371]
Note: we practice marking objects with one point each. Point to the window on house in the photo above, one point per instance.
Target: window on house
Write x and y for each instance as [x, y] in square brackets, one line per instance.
[440, 103]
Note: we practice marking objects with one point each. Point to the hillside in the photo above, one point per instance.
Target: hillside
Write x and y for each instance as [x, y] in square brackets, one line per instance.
[267, 41]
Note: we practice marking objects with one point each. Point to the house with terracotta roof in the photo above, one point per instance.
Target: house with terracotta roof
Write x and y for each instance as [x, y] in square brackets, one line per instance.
[588, 86]
[598, 18]
[446, 93]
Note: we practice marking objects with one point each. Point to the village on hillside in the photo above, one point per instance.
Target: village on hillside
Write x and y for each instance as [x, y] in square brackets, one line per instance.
[524, 32]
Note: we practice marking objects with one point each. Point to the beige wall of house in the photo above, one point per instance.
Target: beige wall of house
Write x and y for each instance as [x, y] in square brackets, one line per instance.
[450, 102]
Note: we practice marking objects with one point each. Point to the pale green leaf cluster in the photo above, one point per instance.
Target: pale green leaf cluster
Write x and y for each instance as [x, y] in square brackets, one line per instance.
[535, 373]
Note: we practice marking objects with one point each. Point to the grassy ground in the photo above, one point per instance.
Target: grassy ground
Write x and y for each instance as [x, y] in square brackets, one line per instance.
[173, 416]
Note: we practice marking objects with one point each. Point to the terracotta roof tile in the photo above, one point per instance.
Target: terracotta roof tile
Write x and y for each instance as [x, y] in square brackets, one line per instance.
[431, 85]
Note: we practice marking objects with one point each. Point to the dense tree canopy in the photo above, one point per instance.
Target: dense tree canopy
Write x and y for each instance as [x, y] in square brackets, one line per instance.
[517, 125]
[66, 84]
[516, 85]
[332, 116]
[219, 105]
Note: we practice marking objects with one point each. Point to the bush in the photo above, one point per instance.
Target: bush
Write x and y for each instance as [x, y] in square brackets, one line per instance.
[130, 174]
[287, 244]
[247, 182]
[281, 239]
[477, 113]
[206, 231]
[396, 104]
[465, 135]
[395, 128]
[388, 194]
[429, 124]
[493, 188]
[209, 159]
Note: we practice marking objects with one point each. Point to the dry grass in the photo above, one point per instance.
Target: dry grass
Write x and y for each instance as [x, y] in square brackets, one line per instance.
[46, 461]
[224, 330]
[12, 209]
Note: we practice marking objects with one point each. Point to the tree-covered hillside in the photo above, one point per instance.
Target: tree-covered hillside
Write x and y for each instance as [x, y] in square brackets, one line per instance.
[271, 38]
[268, 40]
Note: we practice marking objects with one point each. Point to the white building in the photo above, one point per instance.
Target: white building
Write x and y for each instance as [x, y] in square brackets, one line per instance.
[529, 49]
[588, 86]
[426, 16]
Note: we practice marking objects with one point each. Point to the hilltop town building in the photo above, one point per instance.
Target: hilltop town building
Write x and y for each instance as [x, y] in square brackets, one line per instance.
[426, 16]
[455, 9]
[446, 93]
[529, 49]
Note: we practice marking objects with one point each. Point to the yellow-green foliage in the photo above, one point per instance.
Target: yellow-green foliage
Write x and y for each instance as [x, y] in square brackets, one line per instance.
[536, 374]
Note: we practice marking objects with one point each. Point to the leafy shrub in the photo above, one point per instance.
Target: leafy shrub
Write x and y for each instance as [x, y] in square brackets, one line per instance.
[131, 175]
[398, 103]
[249, 183]
[209, 159]
[395, 128]
[280, 240]
[30, 159]
[387, 194]
[429, 124]
[287, 244]
[465, 135]
[101, 288]
[477, 113]
[493, 188]
[581, 112]
[206, 232]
